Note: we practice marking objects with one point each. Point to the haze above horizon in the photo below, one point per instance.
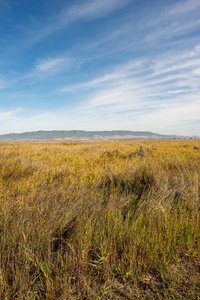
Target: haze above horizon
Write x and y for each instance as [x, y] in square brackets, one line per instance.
[100, 65]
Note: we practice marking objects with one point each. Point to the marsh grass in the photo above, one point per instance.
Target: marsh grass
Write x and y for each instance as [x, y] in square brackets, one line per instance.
[94, 220]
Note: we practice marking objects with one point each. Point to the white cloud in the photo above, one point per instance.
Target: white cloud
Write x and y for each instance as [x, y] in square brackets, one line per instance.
[172, 117]
[8, 115]
[84, 10]
[51, 66]
[174, 28]
[91, 9]
[184, 7]
[196, 71]
[119, 73]
[134, 85]
[159, 94]
[175, 20]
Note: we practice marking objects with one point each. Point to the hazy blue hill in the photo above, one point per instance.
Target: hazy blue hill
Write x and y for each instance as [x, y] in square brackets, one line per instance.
[84, 135]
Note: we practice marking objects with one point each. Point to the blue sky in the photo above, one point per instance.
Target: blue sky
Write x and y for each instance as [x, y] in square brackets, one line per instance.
[100, 65]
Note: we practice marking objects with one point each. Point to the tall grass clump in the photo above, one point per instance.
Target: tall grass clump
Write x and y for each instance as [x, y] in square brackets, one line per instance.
[95, 220]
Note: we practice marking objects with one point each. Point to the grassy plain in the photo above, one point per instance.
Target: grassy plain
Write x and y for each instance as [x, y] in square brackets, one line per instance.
[94, 220]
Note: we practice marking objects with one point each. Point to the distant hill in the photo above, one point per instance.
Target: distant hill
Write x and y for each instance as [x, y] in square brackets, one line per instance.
[75, 135]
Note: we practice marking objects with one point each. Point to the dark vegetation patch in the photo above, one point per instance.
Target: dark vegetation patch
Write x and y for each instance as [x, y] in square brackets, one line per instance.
[116, 154]
[137, 183]
[60, 236]
[16, 171]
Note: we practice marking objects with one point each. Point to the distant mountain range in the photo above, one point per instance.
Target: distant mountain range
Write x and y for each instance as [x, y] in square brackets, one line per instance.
[81, 135]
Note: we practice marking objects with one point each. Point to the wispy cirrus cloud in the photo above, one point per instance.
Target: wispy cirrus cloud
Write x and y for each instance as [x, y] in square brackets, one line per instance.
[50, 66]
[183, 7]
[91, 9]
[86, 10]
[175, 20]
[146, 90]
[8, 115]
[119, 73]
[147, 72]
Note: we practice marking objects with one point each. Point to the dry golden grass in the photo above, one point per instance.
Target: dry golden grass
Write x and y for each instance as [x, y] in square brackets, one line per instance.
[95, 220]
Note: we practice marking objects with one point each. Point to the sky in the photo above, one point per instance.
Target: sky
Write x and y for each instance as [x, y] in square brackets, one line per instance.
[100, 65]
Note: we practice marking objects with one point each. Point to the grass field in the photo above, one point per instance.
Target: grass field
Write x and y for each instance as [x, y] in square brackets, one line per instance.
[98, 220]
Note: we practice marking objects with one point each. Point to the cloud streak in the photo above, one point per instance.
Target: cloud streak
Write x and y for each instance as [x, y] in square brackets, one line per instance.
[183, 7]
[91, 9]
[50, 66]
[86, 10]
[8, 115]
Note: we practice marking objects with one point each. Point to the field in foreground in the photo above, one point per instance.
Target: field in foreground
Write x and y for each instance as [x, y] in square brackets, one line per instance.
[98, 220]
